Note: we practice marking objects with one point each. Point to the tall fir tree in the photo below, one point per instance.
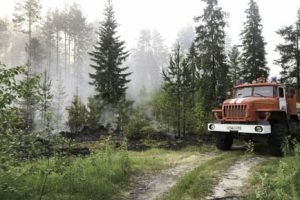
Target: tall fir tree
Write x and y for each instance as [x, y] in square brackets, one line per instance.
[110, 78]
[253, 53]
[210, 42]
[289, 52]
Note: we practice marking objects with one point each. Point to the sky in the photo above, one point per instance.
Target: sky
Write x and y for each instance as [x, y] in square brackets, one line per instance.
[168, 16]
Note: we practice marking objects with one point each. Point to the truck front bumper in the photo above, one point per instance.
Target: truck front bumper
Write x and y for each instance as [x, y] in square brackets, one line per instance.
[240, 128]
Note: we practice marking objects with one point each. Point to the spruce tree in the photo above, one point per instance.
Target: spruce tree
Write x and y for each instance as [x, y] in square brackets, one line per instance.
[234, 64]
[178, 86]
[290, 53]
[210, 42]
[77, 114]
[253, 53]
[110, 78]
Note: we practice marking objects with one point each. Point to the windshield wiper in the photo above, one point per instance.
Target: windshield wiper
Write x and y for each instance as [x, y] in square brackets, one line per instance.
[259, 95]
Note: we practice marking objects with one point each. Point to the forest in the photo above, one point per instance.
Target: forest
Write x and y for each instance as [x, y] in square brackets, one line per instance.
[82, 116]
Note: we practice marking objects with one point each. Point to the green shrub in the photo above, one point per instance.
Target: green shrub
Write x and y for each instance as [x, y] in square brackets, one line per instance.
[134, 127]
[77, 115]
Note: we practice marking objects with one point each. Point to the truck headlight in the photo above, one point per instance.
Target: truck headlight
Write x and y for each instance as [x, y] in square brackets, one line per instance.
[211, 126]
[258, 129]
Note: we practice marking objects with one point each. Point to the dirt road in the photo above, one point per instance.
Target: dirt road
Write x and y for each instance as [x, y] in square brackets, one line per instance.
[150, 188]
[231, 183]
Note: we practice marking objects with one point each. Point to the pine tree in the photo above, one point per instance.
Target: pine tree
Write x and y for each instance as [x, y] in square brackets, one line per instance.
[234, 64]
[253, 53]
[46, 98]
[27, 13]
[210, 42]
[110, 78]
[177, 83]
[290, 53]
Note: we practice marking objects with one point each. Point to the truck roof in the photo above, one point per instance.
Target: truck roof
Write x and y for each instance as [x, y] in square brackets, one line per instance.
[257, 84]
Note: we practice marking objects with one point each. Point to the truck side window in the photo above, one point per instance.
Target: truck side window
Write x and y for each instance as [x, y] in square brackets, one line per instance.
[281, 93]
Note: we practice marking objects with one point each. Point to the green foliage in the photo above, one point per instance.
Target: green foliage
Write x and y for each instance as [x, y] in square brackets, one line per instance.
[279, 179]
[94, 113]
[234, 64]
[210, 42]
[30, 98]
[253, 54]
[178, 86]
[249, 147]
[110, 78]
[46, 99]
[289, 52]
[77, 115]
[133, 129]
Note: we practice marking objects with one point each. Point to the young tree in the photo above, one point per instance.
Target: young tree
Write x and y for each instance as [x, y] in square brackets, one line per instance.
[210, 42]
[177, 83]
[253, 53]
[77, 115]
[46, 100]
[234, 64]
[290, 53]
[110, 78]
[94, 113]
[30, 100]
[27, 13]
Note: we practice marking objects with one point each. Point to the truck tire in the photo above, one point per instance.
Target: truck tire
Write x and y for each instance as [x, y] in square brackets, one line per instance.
[276, 139]
[224, 141]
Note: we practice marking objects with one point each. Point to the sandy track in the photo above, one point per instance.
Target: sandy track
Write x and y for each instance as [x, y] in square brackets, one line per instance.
[150, 188]
[231, 183]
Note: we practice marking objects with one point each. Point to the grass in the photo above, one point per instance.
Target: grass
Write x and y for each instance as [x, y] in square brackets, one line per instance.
[102, 175]
[200, 182]
[278, 178]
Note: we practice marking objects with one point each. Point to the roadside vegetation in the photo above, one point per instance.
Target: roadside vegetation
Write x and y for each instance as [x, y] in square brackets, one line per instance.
[277, 178]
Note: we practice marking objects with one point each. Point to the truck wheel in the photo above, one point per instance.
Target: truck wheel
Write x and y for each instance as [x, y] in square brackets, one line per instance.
[224, 141]
[276, 139]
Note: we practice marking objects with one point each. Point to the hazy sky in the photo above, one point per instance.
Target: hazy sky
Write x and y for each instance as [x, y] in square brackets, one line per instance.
[168, 16]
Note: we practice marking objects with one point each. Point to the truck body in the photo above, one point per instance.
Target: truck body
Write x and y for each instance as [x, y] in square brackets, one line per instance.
[258, 111]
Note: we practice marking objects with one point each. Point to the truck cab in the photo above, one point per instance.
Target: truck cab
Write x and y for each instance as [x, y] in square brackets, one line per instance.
[260, 110]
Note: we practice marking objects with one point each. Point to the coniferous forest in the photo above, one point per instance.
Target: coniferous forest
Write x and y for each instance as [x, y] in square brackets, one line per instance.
[83, 116]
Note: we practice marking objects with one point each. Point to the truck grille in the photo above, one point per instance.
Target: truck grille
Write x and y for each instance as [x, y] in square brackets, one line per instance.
[235, 111]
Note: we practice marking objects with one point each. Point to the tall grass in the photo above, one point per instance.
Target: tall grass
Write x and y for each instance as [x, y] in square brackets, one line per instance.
[99, 176]
[278, 178]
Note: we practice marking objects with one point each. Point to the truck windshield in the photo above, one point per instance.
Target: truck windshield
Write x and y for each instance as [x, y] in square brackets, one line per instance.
[243, 92]
[264, 91]
[261, 91]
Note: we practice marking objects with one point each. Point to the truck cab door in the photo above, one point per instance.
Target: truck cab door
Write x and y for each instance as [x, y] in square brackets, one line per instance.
[282, 99]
